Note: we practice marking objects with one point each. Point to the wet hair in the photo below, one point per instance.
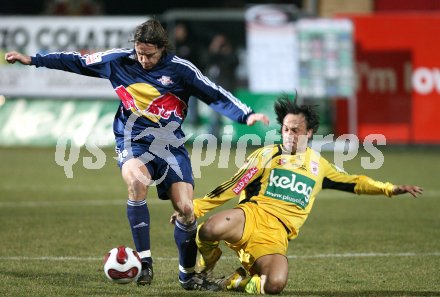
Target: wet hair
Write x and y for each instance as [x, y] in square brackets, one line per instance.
[284, 106]
[152, 32]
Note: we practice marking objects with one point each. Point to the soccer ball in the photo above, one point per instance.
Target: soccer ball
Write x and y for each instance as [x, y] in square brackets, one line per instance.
[122, 265]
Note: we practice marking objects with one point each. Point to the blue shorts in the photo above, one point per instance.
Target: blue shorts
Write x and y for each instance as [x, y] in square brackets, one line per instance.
[166, 166]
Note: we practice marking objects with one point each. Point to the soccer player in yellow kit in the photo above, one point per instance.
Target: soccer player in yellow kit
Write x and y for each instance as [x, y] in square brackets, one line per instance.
[277, 187]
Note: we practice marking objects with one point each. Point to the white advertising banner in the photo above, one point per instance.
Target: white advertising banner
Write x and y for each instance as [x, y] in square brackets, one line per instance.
[326, 57]
[31, 35]
[271, 45]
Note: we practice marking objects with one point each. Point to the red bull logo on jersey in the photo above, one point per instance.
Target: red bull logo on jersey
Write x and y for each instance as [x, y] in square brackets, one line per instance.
[147, 101]
[166, 105]
[126, 98]
[165, 80]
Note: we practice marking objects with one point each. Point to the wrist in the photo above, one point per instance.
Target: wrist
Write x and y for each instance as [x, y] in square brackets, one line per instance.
[32, 60]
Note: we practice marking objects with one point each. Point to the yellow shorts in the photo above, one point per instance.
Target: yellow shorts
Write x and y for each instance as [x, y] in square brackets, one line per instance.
[263, 235]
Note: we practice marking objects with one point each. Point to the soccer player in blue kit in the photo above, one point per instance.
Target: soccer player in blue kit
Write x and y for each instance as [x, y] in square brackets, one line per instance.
[154, 86]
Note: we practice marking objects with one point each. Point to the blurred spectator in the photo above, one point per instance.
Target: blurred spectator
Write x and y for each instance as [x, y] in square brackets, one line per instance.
[188, 49]
[222, 62]
[186, 46]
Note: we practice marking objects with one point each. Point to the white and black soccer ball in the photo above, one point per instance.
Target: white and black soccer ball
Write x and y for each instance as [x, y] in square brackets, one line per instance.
[122, 265]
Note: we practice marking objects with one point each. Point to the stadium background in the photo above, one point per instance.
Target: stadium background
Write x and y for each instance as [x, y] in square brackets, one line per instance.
[55, 230]
[395, 87]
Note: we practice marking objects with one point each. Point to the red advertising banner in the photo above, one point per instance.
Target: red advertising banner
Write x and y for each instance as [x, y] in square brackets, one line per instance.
[398, 72]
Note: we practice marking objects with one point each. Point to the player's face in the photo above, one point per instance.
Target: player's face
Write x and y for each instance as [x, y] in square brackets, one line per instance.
[294, 132]
[148, 54]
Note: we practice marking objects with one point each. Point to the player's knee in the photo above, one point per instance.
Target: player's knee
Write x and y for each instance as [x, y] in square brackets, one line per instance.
[274, 284]
[136, 188]
[185, 211]
[208, 231]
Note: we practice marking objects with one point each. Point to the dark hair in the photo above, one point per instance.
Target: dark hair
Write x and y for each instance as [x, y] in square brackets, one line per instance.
[152, 32]
[283, 106]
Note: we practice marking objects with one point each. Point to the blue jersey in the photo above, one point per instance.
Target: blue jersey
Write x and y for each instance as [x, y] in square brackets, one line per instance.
[158, 96]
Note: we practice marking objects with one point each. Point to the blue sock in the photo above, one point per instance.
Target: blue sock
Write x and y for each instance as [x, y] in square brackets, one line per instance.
[139, 219]
[185, 237]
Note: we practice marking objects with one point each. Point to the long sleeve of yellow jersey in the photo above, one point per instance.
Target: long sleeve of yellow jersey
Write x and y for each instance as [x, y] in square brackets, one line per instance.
[338, 179]
[250, 171]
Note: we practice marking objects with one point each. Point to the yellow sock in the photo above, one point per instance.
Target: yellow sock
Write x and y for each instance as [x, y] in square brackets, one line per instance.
[239, 284]
[206, 248]
[254, 285]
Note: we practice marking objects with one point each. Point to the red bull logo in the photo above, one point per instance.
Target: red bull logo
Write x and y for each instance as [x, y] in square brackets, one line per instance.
[126, 98]
[165, 105]
[146, 101]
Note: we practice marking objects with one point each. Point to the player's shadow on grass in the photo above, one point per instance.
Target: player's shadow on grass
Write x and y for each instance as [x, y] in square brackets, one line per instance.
[361, 293]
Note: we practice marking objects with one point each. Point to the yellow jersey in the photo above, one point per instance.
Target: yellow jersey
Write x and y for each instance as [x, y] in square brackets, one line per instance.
[285, 185]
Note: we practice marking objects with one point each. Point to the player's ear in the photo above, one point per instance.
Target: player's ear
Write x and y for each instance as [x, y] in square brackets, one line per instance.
[309, 133]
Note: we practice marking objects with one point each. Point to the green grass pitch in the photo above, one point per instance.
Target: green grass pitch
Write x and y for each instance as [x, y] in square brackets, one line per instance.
[54, 231]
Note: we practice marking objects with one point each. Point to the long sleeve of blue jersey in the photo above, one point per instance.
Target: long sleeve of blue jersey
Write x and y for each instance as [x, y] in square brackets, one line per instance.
[215, 96]
[95, 65]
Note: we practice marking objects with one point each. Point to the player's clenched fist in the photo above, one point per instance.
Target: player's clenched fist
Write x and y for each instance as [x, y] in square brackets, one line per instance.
[13, 57]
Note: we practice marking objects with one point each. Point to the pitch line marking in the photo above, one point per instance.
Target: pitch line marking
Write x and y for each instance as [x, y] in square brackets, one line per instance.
[316, 256]
[155, 201]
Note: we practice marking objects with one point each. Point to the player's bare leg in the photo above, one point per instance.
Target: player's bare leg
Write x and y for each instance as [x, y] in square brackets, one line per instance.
[137, 178]
[268, 275]
[227, 225]
[181, 194]
[273, 272]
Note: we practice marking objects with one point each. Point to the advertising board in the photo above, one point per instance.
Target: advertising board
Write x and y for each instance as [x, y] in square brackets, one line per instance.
[31, 35]
[398, 73]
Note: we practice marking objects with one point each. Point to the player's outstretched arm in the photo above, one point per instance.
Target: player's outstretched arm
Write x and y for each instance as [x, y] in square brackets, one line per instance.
[257, 117]
[12, 57]
[402, 189]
